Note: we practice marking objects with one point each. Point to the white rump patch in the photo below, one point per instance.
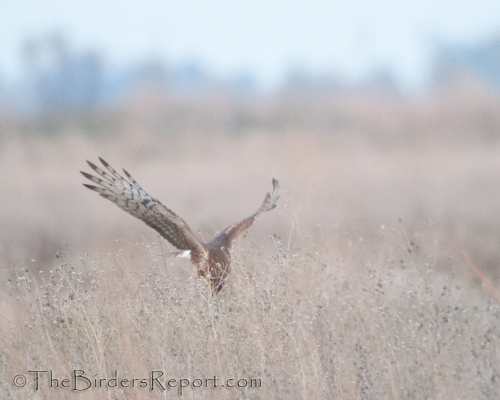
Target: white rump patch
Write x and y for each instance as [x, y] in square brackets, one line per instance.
[186, 254]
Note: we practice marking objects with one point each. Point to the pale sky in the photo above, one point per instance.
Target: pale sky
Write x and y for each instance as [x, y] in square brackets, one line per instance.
[263, 37]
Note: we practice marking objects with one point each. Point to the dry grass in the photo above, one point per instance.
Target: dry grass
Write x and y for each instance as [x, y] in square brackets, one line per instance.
[306, 322]
[375, 278]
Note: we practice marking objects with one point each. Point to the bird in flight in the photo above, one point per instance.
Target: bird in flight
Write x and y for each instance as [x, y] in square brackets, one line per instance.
[212, 260]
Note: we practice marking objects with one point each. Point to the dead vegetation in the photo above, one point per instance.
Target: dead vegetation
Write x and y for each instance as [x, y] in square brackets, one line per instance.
[377, 277]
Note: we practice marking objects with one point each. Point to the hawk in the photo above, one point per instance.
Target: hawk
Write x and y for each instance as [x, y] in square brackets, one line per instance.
[212, 260]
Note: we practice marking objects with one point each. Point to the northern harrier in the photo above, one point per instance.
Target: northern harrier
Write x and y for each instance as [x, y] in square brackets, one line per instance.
[212, 260]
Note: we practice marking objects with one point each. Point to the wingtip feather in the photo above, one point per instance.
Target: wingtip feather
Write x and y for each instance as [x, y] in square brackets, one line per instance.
[128, 175]
[86, 175]
[276, 184]
[103, 162]
[92, 165]
[91, 187]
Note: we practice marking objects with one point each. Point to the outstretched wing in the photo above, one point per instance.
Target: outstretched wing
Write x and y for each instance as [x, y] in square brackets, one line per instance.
[227, 236]
[132, 198]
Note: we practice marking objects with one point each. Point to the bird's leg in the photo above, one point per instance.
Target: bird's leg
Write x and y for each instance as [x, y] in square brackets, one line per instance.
[200, 271]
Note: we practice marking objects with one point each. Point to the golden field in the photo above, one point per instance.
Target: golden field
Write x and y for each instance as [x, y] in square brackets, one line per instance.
[376, 277]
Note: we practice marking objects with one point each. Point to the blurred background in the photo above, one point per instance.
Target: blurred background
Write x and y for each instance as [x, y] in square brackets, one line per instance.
[371, 114]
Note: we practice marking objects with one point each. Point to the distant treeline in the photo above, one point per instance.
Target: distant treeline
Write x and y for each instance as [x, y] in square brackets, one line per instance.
[60, 79]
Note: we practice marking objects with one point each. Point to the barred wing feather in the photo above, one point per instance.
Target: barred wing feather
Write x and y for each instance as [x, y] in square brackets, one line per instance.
[226, 238]
[132, 198]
